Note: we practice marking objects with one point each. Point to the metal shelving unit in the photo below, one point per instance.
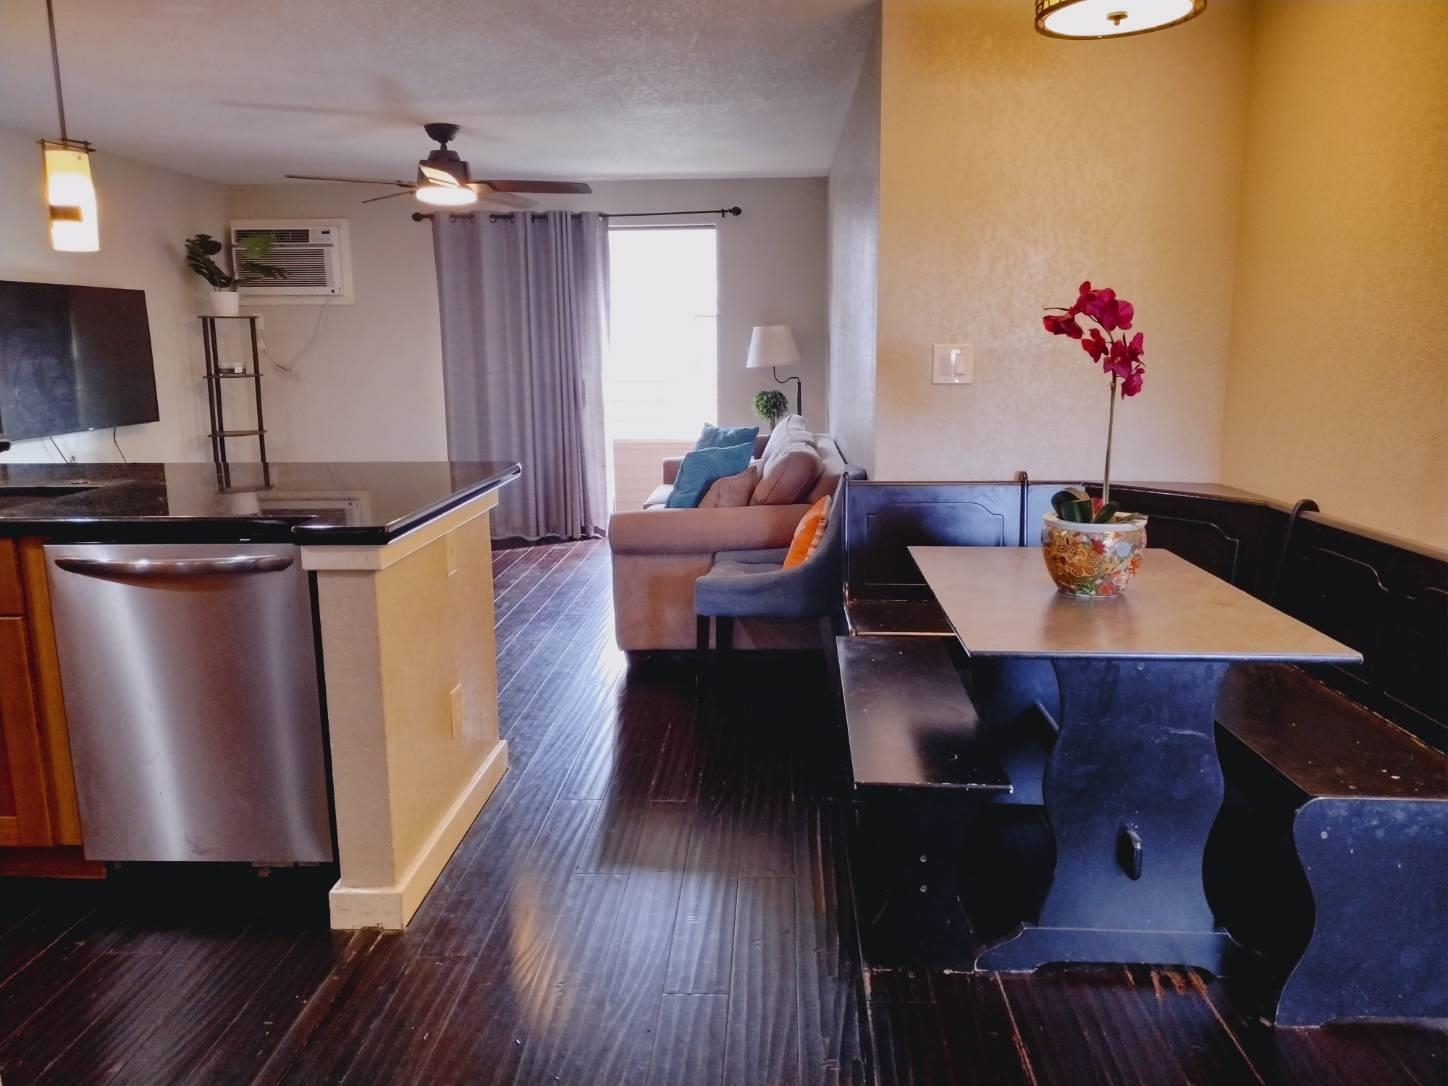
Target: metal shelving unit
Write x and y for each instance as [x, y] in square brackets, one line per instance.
[215, 378]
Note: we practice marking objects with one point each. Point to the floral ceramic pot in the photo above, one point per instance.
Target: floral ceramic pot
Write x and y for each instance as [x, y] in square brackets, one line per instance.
[1093, 560]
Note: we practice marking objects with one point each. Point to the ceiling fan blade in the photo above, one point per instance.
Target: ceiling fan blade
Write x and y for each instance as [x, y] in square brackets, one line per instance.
[562, 188]
[348, 180]
[490, 195]
[438, 177]
[390, 195]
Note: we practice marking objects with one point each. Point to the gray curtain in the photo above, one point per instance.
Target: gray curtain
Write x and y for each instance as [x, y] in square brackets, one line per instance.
[524, 302]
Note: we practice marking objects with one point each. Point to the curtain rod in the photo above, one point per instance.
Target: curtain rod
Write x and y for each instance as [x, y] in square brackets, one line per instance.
[494, 216]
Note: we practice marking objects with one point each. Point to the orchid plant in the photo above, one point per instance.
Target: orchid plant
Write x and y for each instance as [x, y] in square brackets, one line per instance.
[1119, 358]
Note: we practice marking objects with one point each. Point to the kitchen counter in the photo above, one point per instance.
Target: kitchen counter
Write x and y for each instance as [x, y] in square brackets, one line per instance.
[350, 503]
[398, 564]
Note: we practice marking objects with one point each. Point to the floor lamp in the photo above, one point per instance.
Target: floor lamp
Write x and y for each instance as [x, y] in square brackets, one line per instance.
[772, 345]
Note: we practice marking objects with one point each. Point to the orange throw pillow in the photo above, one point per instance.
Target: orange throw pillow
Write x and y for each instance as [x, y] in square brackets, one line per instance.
[808, 535]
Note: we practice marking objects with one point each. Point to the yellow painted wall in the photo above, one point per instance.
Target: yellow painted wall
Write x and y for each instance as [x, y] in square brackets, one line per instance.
[1012, 167]
[1338, 388]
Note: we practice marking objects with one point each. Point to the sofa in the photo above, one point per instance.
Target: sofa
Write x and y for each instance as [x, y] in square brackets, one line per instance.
[658, 553]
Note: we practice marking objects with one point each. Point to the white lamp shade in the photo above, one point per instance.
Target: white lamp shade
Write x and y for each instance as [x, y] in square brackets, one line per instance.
[772, 345]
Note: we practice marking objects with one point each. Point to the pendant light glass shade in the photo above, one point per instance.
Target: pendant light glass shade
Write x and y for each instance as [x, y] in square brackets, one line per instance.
[1111, 18]
[71, 195]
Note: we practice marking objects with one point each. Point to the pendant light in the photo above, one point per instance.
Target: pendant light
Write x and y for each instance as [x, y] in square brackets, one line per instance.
[69, 190]
[1112, 18]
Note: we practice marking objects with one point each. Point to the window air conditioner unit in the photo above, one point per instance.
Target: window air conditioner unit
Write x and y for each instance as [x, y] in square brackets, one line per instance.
[314, 253]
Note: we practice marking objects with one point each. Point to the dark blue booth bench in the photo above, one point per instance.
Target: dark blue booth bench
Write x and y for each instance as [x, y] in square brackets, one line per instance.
[1331, 855]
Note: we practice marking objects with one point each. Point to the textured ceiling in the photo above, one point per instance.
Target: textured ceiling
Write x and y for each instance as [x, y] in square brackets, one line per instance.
[244, 92]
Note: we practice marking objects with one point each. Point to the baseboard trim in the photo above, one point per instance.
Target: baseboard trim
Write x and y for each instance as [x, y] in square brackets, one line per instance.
[393, 906]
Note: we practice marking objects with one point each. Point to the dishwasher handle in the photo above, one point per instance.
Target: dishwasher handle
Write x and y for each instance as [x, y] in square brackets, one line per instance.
[143, 568]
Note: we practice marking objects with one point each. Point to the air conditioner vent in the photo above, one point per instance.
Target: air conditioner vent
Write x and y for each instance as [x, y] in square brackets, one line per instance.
[280, 237]
[314, 253]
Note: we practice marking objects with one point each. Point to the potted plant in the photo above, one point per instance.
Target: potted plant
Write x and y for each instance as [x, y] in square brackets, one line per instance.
[771, 405]
[1092, 548]
[251, 266]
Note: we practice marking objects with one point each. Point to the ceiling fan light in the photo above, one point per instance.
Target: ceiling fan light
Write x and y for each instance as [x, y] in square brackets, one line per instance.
[71, 196]
[447, 195]
[1111, 18]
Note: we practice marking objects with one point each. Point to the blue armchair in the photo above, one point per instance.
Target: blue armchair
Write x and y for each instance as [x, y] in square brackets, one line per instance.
[753, 584]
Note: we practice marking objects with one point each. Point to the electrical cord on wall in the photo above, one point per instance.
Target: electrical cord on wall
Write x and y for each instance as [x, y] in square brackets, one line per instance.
[116, 441]
[292, 366]
[64, 459]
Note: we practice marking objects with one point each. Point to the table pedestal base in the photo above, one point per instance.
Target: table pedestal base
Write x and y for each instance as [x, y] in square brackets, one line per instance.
[1131, 791]
[1032, 947]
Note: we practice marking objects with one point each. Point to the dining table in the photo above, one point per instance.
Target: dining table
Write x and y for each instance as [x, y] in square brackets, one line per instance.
[1132, 783]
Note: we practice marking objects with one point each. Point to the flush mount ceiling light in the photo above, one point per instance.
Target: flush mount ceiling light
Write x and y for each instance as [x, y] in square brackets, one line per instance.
[1112, 18]
[69, 190]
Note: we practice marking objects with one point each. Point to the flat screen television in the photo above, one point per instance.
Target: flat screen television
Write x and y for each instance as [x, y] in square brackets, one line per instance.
[73, 358]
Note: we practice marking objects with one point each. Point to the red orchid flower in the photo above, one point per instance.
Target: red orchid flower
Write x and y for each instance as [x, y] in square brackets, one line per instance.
[1119, 357]
[1062, 325]
[1125, 358]
[1105, 308]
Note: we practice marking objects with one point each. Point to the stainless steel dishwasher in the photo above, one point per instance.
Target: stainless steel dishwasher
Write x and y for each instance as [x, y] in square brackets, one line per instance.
[191, 694]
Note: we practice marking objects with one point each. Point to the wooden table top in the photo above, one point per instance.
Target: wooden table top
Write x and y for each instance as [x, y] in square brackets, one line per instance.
[1001, 602]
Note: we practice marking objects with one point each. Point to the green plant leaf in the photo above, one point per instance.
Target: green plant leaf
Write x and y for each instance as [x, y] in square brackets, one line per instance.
[1077, 511]
[1071, 494]
[1107, 513]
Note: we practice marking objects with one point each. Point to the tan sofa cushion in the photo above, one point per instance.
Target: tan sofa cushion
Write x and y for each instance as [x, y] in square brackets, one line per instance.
[787, 430]
[732, 491]
[788, 475]
[833, 466]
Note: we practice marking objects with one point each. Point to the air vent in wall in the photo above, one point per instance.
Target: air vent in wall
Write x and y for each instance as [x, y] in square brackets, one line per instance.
[314, 253]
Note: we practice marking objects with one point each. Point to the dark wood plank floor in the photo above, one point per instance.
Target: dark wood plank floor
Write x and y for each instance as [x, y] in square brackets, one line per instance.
[658, 893]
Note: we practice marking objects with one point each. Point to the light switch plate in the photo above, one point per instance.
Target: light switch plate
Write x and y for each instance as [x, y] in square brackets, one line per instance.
[952, 364]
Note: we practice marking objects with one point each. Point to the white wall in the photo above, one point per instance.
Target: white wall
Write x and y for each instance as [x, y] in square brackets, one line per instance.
[371, 384]
[854, 227]
[146, 214]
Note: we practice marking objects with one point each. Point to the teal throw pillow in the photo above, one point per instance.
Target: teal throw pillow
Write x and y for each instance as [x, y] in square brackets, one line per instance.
[702, 467]
[715, 437]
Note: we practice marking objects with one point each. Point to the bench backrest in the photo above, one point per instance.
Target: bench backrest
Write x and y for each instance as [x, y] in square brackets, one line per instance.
[1238, 539]
[884, 520]
[1385, 598]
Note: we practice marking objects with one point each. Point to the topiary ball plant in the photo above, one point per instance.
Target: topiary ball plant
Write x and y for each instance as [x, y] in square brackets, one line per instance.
[771, 405]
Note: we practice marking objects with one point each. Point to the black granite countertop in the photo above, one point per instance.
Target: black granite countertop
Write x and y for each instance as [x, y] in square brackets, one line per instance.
[308, 503]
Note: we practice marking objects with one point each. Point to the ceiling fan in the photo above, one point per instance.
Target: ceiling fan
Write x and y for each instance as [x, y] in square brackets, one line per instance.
[443, 180]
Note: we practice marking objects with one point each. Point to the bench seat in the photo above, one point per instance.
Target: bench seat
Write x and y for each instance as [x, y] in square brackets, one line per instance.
[1343, 820]
[900, 617]
[921, 773]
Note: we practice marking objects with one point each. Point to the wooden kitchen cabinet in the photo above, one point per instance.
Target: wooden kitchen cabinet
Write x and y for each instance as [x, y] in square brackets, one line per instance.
[39, 820]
